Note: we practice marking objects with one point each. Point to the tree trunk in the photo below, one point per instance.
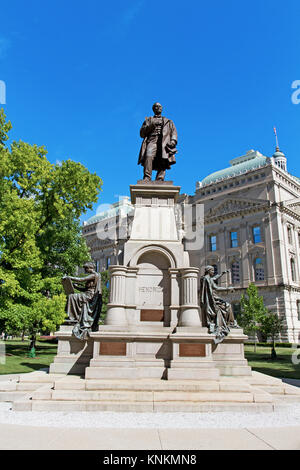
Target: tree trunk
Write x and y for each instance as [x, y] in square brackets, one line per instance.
[273, 352]
[32, 345]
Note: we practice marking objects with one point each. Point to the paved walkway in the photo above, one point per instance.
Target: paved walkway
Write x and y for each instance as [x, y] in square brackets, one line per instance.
[16, 437]
[31, 437]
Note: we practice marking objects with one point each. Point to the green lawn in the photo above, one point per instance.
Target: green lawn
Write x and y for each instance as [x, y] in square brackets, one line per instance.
[17, 360]
[282, 367]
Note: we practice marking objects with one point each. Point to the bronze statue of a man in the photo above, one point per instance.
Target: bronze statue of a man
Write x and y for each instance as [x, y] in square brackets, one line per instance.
[217, 313]
[159, 145]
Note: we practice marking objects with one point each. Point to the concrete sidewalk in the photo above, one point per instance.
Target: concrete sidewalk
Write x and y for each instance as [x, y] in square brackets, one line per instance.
[15, 437]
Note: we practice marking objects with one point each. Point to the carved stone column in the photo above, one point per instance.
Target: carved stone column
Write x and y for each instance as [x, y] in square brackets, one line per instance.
[190, 315]
[175, 295]
[116, 307]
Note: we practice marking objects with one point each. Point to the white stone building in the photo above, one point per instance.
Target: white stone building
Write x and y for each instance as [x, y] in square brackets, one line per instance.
[252, 227]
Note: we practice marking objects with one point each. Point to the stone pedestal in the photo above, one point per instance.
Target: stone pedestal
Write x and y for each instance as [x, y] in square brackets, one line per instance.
[192, 355]
[130, 354]
[73, 356]
[153, 325]
[229, 356]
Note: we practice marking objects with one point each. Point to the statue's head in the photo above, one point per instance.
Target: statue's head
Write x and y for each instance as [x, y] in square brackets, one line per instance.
[89, 266]
[209, 270]
[157, 109]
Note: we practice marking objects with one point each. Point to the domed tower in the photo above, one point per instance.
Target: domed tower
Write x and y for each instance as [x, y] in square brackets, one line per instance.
[280, 159]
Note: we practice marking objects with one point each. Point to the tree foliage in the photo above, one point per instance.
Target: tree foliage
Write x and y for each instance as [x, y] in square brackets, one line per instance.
[105, 292]
[271, 326]
[40, 236]
[252, 311]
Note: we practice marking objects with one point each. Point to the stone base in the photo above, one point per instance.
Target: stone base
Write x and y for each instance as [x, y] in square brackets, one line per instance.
[73, 356]
[229, 356]
[130, 354]
[256, 393]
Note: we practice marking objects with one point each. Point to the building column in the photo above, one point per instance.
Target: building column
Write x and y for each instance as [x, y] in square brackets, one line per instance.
[244, 232]
[175, 295]
[222, 248]
[269, 261]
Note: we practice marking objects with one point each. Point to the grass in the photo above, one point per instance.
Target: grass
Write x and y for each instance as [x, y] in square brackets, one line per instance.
[17, 360]
[282, 367]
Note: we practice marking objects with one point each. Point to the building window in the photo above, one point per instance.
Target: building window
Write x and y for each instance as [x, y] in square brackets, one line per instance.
[233, 239]
[236, 309]
[235, 272]
[97, 263]
[259, 270]
[107, 262]
[215, 269]
[256, 234]
[293, 272]
[289, 232]
[298, 309]
[213, 243]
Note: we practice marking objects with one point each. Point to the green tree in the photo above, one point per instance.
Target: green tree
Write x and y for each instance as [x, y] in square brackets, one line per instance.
[252, 312]
[105, 293]
[271, 326]
[40, 236]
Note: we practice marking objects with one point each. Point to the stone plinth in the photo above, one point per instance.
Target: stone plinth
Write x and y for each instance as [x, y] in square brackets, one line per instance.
[130, 353]
[229, 356]
[73, 355]
[192, 355]
[153, 328]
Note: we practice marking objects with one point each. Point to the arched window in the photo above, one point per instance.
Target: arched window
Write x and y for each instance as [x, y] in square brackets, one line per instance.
[293, 272]
[259, 270]
[235, 272]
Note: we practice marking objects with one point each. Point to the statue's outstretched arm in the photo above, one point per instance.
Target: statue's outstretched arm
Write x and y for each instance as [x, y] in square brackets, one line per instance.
[90, 277]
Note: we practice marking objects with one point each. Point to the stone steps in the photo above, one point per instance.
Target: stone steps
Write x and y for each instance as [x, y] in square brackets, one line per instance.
[11, 396]
[54, 392]
[159, 385]
[149, 396]
[175, 406]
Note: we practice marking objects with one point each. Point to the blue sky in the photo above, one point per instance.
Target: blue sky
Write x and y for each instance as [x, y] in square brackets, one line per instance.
[81, 77]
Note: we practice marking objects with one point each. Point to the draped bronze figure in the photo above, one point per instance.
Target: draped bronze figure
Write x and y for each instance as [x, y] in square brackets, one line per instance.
[84, 308]
[217, 313]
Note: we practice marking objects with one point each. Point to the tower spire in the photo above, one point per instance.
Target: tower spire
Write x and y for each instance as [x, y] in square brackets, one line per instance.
[276, 138]
[279, 158]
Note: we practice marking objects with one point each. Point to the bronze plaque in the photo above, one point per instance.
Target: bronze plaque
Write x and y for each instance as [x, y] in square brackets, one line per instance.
[152, 315]
[192, 350]
[112, 349]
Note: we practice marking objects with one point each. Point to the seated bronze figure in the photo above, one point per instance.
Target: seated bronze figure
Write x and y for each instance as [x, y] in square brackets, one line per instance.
[217, 313]
[84, 308]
